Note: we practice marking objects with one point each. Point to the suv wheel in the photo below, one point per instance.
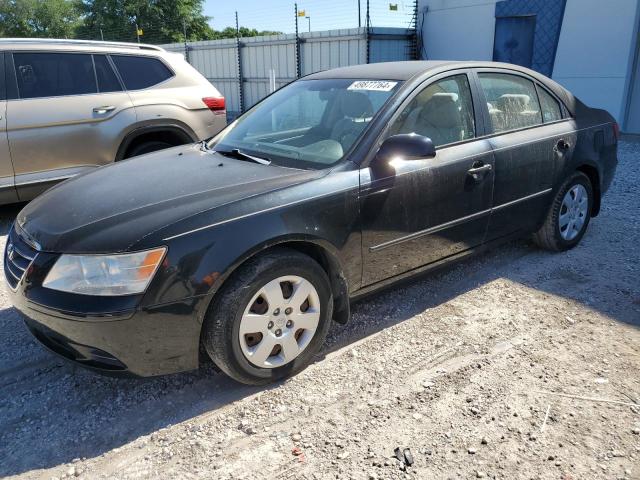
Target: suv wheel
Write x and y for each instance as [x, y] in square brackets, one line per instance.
[269, 318]
[147, 147]
[569, 215]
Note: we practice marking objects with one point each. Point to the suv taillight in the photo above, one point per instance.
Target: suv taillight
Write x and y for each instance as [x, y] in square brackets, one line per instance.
[215, 104]
[616, 131]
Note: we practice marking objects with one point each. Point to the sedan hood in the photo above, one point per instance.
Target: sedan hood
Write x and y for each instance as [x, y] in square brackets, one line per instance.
[111, 208]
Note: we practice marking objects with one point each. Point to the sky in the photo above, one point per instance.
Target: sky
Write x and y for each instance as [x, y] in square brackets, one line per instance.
[278, 15]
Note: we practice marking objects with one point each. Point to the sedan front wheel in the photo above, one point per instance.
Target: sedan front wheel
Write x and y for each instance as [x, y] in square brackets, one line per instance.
[269, 318]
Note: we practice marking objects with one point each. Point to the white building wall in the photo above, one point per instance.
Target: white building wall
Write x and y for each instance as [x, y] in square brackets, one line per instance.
[458, 29]
[595, 52]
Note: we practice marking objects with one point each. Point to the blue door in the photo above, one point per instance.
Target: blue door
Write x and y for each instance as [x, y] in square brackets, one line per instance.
[513, 42]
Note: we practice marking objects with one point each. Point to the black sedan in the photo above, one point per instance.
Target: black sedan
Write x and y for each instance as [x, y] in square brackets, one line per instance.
[245, 248]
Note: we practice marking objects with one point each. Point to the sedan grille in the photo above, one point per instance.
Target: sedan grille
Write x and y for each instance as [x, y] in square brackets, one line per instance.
[17, 257]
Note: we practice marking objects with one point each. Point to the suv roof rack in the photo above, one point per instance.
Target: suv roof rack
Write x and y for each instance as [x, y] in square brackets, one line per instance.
[54, 41]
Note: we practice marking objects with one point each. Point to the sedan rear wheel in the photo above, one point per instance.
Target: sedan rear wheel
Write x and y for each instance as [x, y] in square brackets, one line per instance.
[569, 215]
[573, 212]
[269, 318]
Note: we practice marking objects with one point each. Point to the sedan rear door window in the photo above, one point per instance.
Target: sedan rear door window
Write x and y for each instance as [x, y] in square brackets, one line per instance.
[512, 101]
[140, 72]
[54, 74]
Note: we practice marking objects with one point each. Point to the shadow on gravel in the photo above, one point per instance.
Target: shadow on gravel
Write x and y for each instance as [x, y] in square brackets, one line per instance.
[52, 412]
[8, 214]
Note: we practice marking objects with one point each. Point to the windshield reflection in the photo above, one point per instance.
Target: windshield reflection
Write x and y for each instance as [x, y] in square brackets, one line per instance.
[307, 124]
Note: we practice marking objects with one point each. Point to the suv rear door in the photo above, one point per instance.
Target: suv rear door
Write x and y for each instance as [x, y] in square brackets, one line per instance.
[7, 189]
[70, 114]
[530, 143]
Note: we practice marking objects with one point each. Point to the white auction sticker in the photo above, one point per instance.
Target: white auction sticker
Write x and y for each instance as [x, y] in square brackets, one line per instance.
[375, 85]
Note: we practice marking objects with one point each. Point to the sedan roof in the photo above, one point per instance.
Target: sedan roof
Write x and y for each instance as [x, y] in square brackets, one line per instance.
[385, 70]
[409, 69]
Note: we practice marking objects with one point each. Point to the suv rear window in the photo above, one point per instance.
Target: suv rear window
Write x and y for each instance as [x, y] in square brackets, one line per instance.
[54, 74]
[140, 72]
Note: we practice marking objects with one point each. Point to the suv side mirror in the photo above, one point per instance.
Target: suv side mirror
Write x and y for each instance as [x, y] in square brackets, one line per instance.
[407, 146]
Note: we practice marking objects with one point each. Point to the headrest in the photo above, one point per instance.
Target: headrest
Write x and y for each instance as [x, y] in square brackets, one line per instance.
[356, 105]
[514, 101]
[441, 111]
[453, 96]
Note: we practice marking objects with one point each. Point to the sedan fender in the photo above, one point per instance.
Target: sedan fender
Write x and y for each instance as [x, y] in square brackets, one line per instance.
[204, 251]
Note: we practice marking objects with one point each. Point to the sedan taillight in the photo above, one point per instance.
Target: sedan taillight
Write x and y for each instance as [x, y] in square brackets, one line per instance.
[616, 130]
[215, 104]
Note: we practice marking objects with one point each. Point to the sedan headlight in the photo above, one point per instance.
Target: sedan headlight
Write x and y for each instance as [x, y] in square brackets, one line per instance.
[105, 275]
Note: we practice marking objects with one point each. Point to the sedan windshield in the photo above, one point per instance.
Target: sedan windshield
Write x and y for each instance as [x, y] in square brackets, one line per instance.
[308, 124]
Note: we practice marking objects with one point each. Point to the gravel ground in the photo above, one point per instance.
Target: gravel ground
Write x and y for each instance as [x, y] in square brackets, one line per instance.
[466, 368]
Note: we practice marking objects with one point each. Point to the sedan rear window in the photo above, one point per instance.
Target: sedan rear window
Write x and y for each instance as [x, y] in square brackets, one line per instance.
[551, 111]
[140, 72]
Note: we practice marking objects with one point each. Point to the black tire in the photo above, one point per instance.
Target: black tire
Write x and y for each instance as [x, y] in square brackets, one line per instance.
[147, 147]
[549, 235]
[222, 324]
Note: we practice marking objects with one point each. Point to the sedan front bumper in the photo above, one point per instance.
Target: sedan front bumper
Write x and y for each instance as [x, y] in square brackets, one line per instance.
[109, 334]
[141, 343]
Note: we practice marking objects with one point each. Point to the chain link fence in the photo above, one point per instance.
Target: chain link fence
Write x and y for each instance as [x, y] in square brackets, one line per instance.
[273, 44]
[273, 17]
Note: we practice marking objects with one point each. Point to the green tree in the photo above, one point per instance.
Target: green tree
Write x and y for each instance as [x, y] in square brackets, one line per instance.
[161, 21]
[38, 18]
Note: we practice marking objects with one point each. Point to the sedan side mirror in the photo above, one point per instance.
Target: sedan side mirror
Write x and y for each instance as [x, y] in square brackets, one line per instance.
[406, 146]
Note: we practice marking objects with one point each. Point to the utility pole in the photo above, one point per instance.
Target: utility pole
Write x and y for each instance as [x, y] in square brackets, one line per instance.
[101, 35]
[359, 15]
[309, 18]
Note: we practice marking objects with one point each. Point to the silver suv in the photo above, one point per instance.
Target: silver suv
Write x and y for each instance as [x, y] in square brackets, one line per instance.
[70, 106]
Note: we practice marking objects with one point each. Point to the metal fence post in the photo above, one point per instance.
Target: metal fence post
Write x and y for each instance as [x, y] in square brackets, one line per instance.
[413, 42]
[240, 76]
[186, 44]
[298, 69]
[368, 33]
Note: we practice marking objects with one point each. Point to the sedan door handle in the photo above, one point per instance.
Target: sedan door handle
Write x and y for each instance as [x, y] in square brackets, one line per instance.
[563, 145]
[480, 169]
[103, 110]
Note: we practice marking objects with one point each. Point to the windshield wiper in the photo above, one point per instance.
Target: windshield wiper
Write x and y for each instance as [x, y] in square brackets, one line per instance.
[204, 146]
[237, 153]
